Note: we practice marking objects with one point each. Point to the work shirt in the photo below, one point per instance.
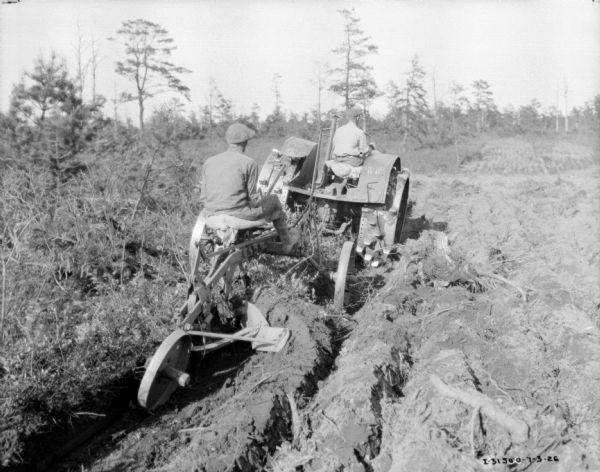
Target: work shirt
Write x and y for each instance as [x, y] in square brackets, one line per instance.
[350, 142]
[229, 183]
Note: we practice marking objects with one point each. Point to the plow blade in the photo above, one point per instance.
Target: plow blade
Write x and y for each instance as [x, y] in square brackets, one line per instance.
[257, 331]
[266, 338]
[166, 370]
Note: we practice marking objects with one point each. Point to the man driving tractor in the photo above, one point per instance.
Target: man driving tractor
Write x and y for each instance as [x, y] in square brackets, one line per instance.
[229, 187]
[350, 146]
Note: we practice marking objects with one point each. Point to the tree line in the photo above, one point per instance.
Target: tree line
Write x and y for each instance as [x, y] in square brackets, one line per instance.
[49, 114]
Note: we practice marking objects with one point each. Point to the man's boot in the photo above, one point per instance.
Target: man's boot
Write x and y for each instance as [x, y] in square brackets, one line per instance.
[272, 211]
[289, 236]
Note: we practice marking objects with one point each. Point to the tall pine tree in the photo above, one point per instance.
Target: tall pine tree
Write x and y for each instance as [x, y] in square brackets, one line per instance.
[147, 62]
[352, 79]
[483, 104]
[408, 105]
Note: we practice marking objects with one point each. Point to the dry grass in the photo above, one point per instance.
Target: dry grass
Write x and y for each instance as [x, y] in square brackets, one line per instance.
[90, 277]
[499, 155]
[532, 156]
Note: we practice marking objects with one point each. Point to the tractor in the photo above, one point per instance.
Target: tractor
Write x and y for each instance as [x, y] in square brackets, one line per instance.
[367, 209]
[371, 205]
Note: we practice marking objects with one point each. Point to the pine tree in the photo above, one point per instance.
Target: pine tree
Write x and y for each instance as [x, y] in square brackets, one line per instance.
[48, 90]
[460, 105]
[49, 100]
[275, 123]
[483, 103]
[218, 109]
[148, 49]
[353, 80]
[408, 105]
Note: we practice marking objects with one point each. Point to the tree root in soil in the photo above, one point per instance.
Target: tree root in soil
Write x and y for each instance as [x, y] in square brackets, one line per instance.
[518, 429]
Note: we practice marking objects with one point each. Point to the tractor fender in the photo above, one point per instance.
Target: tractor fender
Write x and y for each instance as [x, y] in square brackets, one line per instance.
[375, 175]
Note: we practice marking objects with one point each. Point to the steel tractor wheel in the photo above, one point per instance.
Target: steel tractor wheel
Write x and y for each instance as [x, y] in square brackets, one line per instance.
[380, 225]
[403, 183]
[395, 205]
[345, 267]
[166, 370]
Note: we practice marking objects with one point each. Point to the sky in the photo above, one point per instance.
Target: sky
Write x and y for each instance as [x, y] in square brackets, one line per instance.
[525, 49]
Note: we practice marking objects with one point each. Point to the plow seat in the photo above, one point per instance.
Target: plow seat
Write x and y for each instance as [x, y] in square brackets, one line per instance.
[227, 226]
[224, 221]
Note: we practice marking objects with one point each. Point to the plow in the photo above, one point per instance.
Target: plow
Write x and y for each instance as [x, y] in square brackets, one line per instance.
[365, 210]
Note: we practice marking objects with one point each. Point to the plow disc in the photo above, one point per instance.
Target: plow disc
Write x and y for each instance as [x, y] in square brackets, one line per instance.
[166, 370]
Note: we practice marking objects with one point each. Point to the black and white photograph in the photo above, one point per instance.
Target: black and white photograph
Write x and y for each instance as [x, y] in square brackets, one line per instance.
[300, 235]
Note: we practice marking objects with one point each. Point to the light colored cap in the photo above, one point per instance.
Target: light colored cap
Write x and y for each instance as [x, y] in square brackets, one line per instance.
[238, 133]
[354, 112]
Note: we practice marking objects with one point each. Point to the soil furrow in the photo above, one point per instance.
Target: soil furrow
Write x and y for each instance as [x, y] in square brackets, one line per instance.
[235, 424]
[345, 415]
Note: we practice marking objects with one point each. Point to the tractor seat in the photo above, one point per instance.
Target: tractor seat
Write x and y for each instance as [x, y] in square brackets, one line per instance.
[344, 170]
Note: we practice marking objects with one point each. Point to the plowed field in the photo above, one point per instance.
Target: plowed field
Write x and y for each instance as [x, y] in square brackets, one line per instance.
[480, 352]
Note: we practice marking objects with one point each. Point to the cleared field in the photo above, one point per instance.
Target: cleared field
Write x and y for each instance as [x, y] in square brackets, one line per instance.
[484, 349]
[481, 342]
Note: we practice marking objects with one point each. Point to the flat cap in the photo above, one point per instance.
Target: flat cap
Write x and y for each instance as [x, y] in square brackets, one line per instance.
[238, 133]
[354, 112]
